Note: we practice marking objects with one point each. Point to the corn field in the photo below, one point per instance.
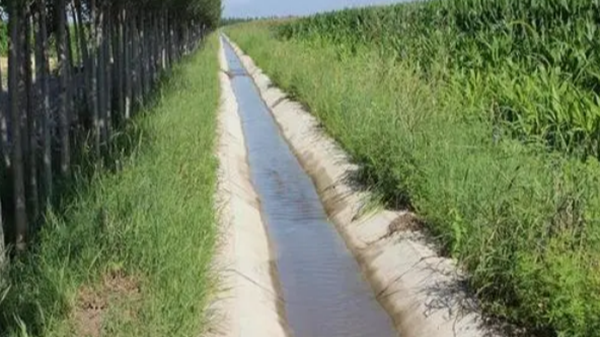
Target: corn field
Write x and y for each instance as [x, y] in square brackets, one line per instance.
[109, 54]
[485, 115]
[539, 60]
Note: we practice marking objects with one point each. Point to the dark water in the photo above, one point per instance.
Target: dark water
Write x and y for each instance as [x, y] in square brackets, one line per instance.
[324, 292]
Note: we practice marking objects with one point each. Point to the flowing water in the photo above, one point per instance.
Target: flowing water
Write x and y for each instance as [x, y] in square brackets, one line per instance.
[324, 291]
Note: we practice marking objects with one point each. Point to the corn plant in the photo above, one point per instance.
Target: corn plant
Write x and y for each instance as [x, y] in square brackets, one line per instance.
[540, 57]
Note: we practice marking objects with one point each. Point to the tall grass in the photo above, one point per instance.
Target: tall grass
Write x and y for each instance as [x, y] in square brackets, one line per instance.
[523, 221]
[538, 59]
[152, 223]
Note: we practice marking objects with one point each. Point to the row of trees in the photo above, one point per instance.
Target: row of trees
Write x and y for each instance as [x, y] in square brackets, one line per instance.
[108, 55]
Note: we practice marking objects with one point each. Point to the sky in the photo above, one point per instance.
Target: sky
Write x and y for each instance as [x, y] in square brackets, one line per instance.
[266, 8]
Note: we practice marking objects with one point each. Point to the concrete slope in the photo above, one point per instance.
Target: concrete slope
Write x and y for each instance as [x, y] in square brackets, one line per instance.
[248, 302]
[420, 290]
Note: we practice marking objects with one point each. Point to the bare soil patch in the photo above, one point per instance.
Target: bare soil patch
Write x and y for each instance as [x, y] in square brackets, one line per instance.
[93, 304]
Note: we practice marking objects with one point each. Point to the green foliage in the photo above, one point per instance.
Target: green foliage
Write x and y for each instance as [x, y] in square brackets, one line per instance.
[523, 221]
[539, 59]
[232, 21]
[3, 39]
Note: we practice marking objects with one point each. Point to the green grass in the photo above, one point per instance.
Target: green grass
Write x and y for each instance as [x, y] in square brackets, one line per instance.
[148, 228]
[523, 221]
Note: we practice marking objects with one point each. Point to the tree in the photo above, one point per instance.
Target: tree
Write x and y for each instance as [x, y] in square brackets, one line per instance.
[63, 95]
[14, 79]
[122, 46]
[42, 78]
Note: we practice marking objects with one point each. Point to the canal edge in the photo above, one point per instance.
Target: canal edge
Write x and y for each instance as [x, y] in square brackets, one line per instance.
[420, 290]
[248, 299]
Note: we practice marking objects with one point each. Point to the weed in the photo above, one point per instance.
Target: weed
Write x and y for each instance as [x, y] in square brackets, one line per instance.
[522, 220]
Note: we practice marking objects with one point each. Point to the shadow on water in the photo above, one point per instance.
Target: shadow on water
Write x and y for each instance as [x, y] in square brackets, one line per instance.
[324, 291]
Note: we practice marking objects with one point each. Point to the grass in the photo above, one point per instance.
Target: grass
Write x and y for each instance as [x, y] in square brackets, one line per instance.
[130, 254]
[522, 220]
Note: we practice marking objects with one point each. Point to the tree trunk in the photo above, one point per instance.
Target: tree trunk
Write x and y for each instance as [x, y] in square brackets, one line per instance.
[169, 41]
[31, 129]
[6, 158]
[42, 77]
[63, 99]
[17, 150]
[147, 54]
[143, 50]
[77, 52]
[149, 51]
[153, 54]
[71, 78]
[140, 60]
[101, 69]
[4, 129]
[86, 61]
[78, 73]
[93, 90]
[163, 41]
[120, 56]
[108, 73]
[128, 42]
[117, 89]
[135, 72]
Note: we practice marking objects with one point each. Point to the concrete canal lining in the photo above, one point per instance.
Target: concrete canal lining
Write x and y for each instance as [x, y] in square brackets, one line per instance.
[421, 291]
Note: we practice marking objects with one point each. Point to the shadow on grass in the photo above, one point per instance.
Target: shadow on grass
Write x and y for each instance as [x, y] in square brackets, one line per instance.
[26, 290]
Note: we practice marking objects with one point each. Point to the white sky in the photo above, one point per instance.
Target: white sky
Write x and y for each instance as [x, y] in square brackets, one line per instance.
[266, 8]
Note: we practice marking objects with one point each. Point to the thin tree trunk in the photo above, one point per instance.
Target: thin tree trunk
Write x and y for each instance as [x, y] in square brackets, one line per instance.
[118, 52]
[135, 74]
[169, 41]
[6, 158]
[153, 40]
[71, 88]
[42, 77]
[93, 90]
[31, 119]
[149, 50]
[143, 49]
[120, 56]
[63, 95]
[114, 53]
[101, 69]
[146, 55]
[4, 128]
[163, 41]
[139, 62]
[158, 35]
[23, 96]
[17, 150]
[108, 73]
[78, 63]
[128, 39]
[87, 64]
